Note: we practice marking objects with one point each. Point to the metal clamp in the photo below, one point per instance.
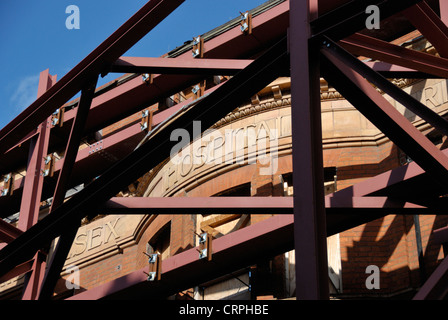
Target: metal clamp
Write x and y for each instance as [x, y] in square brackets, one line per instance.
[146, 123]
[155, 267]
[199, 89]
[57, 118]
[198, 47]
[148, 78]
[205, 246]
[8, 186]
[49, 161]
[246, 23]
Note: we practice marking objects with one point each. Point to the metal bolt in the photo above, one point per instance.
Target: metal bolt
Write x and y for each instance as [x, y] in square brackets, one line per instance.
[152, 258]
[195, 89]
[151, 276]
[202, 253]
[203, 238]
[145, 77]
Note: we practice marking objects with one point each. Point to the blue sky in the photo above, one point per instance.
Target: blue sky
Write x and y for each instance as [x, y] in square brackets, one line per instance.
[33, 37]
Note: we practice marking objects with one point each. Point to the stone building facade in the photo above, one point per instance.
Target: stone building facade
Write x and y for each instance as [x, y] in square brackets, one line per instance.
[248, 153]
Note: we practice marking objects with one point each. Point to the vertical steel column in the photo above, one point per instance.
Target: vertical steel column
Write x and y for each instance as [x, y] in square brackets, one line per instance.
[71, 151]
[444, 11]
[32, 191]
[65, 242]
[309, 210]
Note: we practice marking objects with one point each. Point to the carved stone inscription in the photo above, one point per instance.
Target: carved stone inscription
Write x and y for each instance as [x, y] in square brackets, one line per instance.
[95, 237]
[226, 146]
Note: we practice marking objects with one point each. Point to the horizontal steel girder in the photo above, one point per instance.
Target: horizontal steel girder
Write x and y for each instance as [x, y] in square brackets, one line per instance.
[350, 17]
[389, 88]
[179, 66]
[231, 252]
[384, 116]
[278, 205]
[149, 16]
[209, 110]
[359, 44]
[126, 96]
[96, 158]
[430, 25]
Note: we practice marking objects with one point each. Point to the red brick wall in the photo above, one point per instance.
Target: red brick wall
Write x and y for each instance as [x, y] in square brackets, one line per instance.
[355, 164]
[103, 271]
[389, 242]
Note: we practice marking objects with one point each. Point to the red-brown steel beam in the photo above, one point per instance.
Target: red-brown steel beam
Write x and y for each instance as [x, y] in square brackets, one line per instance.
[179, 66]
[343, 210]
[409, 182]
[17, 271]
[149, 16]
[56, 262]
[29, 208]
[277, 205]
[436, 287]
[242, 86]
[390, 71]
[392, 90]
[33, 280]
[440, 236]
[32, 191]
[385, 117]
[127, 97]
[443, 5]
[73, 143]
[359, 44]
[65, 241]
[347, 17]
[228, 254]
[8, 232]
[231, 252]
[430, 25]
[96, 158]
[309, 210]
[135, 94]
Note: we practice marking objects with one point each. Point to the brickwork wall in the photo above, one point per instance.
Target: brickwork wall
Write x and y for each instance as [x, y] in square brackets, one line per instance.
[389, 242]
[357, 163]
[103, 271]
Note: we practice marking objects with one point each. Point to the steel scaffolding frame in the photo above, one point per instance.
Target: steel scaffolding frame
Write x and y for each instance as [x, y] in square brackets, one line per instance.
[303, 39]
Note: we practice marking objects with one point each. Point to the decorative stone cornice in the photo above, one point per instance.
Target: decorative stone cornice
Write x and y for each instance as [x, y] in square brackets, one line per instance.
[250, 110]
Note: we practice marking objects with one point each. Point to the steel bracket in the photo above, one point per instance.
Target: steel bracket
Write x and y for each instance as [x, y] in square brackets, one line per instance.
[246, 23]
[205, 246]
[49, 162]
[8, 186]
[155, 267]
[57, 118]
[198, 47]
[148, 78]
[146, 123]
